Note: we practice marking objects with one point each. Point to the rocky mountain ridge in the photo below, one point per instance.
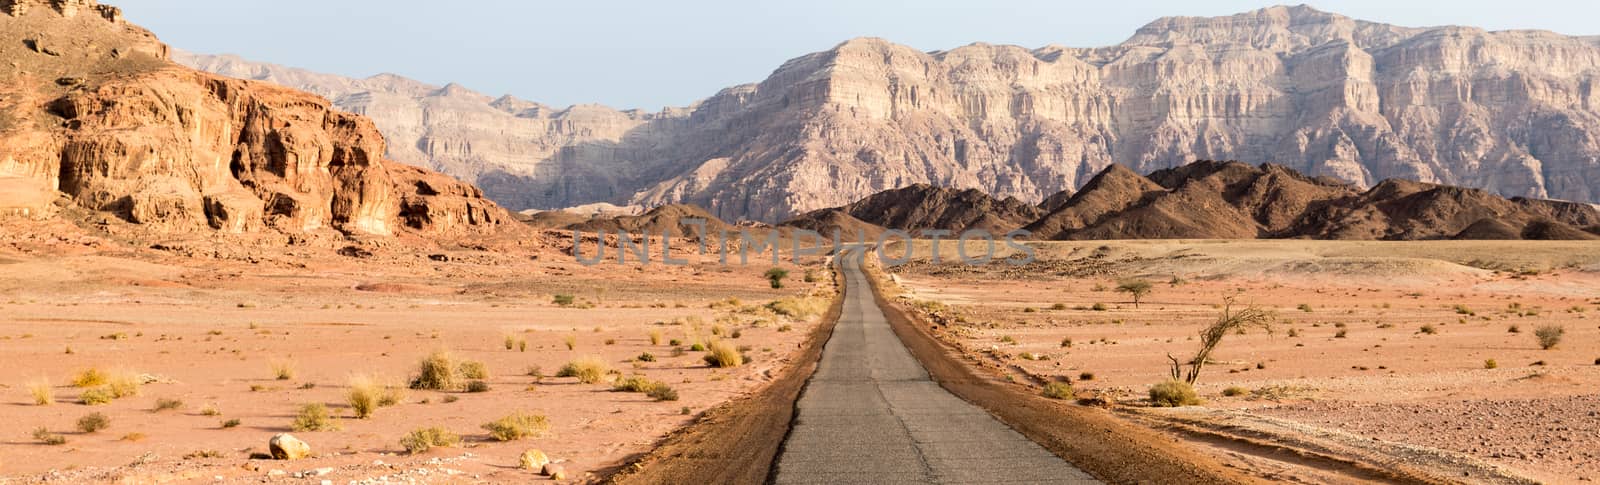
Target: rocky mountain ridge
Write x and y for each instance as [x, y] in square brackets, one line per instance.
[1512, 112]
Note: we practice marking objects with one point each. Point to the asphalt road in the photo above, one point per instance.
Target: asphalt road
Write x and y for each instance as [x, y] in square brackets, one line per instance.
[870, 414]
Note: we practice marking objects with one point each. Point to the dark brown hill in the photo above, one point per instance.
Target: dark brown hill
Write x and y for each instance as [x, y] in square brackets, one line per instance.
[921, 206]
[1233, 200]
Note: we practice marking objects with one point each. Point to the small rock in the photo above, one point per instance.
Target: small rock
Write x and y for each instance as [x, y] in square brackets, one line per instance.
[556, 472]
[287, 447]
[276, 473]
[534, 460]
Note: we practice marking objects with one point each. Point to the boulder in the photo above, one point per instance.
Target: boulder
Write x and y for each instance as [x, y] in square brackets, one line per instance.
[287, 447]
[556, 472]
[533, 460]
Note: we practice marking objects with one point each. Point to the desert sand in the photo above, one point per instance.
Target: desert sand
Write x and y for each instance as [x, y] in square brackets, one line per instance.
[212, 333]
[1377, 358]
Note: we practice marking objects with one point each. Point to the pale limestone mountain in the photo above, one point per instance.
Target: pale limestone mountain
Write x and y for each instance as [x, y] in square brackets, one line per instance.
[1513, 112]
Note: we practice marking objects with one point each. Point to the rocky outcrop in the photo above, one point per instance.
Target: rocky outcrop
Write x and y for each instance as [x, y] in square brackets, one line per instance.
[1515, 113]
[924, 207]
[177, 150]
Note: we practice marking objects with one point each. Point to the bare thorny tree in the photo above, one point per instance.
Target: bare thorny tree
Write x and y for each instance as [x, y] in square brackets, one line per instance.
[1229, 321]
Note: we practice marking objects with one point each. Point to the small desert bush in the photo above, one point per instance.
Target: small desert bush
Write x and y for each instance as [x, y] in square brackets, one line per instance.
[42, 392]
[45, 436]
[1173, 393]
[1305, 307]
[588, 369]
[210, 410]
[96, 396]
[1086, 376]
[1513, 329]
[571, 341]
[1058, 390]
[367, 394]
[473, 369]
[517, 426]
[662, 392]
[230, 423]
[1099, 307]
[314, 417]
[1428, 329]
[634, 384]
[435, 372]
[1235, 391]
[166, 404]
[424, 439]
[655, 337]
[646, 357]
[282, 369]
[799, 308]
[511, 342]
[1490, 364]
[90, 377]
[93, 422]
[1549, 335]
[477, 386]
[563, 299]
[723, 354]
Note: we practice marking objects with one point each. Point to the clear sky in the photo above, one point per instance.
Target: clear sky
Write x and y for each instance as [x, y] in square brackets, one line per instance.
[654, 53]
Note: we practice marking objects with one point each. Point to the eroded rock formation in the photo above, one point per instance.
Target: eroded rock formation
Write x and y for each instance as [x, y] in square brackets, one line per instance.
[93, 114]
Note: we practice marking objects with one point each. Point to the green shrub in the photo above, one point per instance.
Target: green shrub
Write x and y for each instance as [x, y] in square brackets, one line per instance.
[314, 417]
[1058, 390]
[646, 357]
[473, 369]
[1173, 393]
[93, 422]
[45, 436]
[165, 404]
[663, 392]
[96, 396]
[1549, 335]
[775, 277]
[517, 426]
[420, 440]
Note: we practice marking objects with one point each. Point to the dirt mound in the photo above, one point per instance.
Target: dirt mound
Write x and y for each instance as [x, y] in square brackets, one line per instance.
[671, 219]
[1233, 200]
[828, 222]
[92, 107]
[922, 206]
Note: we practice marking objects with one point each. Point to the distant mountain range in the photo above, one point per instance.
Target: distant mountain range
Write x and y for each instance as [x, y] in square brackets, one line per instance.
[1201, 200]
[1516, 113]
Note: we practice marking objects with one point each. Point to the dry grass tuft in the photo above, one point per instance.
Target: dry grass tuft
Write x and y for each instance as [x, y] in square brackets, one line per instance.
[45, 436]
[803, 308]
[96, 396]
[42, 392]
[588, 369]
[723, 354]
[517, 426]
[367, 394]
[421, 440]
[90, 377]
[282, 369]
[435, 372]
[166, 404]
